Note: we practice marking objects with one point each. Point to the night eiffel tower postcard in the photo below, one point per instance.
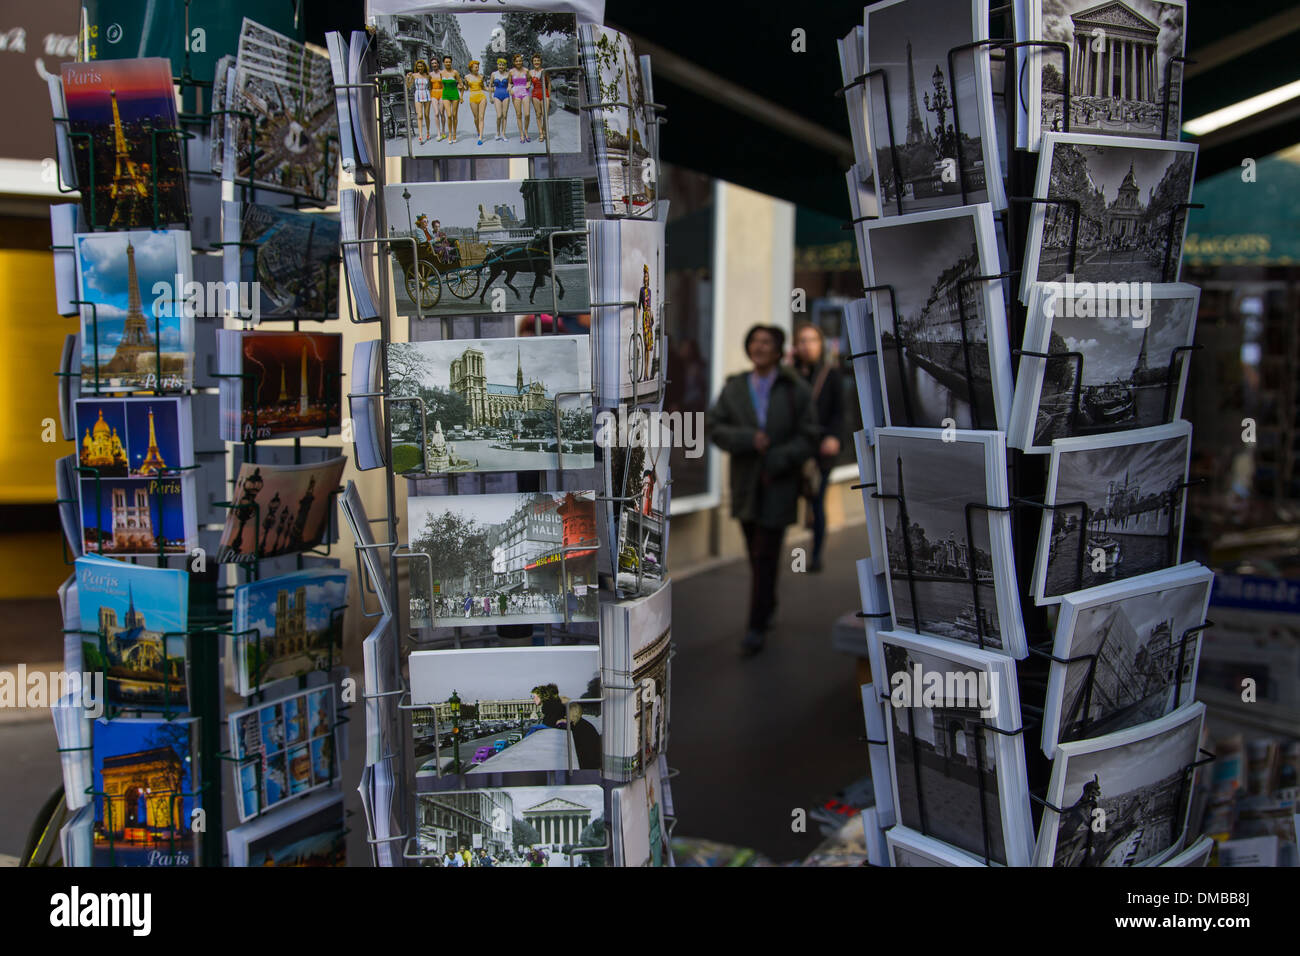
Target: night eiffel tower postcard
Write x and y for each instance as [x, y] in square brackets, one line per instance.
[132, 153]
[136, 334]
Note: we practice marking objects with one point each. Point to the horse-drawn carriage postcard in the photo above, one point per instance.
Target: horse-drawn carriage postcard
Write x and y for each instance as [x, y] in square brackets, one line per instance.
[492, 404]
[478, 84]
[477, 248]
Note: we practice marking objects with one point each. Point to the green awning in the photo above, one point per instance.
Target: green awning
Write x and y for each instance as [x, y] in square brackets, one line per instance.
[1248, 223]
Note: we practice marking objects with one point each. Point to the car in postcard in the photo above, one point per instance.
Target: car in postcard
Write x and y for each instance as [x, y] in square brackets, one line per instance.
[482, 754]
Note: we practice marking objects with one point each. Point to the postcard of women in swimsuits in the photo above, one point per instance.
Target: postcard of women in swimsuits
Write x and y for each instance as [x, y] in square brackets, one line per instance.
[521, 84]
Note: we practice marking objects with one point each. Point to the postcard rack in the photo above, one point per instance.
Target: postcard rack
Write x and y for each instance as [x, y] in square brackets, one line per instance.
[387, 706]
[209, 621]
[1027, 474]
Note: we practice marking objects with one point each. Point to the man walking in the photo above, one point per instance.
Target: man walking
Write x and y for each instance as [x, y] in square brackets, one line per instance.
[764, 419]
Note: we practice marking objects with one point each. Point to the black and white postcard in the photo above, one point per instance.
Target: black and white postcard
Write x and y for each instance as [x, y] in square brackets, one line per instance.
[491, 404]
[1121, 62]
[491, 246]
[1117, 509]
[939, 125]
[907, 848]
[956, 778]
[1132, 656]
[514, 827]
[1132, 367]
[505, 709]
[1198, 854]
[512, 558]
[944, 581]
[1118, 197]
[1125, 795]
[941, 336]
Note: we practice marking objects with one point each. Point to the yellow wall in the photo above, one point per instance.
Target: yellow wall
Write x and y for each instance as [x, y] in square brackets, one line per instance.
[31, 344]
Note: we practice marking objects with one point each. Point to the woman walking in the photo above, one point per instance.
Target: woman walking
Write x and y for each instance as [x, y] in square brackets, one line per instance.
[827, 386]
[500, 94]
[764, 419]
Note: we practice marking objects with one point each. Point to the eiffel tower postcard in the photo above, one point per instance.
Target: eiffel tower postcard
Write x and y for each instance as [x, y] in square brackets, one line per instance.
[121, 104]
[135, 332]
[909, 40]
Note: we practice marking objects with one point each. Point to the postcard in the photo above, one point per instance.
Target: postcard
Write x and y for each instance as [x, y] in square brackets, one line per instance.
[1132, 653]
[1132, 364]
[308, 832]
[518, 826]
[938, 128]
[500, 710]
[1122, 70]
[491, 404]
[637, 480]
[133, 437]
[279, 509]
[941, 333]
[909, 848]
[287, 626]
[1198, 854]
[279, 384]
[133, 623]
[628, 265]
[490, 246]
[864, 198]
[1117, 506]
[623, 127]
[478, 84]
[950, 568]
[289, 89]
[1137, 783]
[113, 109]
[639, 812]
[300, 729]
[137, 325]
[636, 644]
[1120, 202]
[292, 256]
[512, 558]
[946, 703]
[146, 791]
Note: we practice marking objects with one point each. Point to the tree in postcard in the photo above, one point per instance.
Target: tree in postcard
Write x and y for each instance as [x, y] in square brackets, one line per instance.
[455, 545]
[523, 35]
[525, 834]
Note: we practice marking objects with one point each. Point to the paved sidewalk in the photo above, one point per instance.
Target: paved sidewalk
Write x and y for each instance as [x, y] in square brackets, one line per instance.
[756, 738]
